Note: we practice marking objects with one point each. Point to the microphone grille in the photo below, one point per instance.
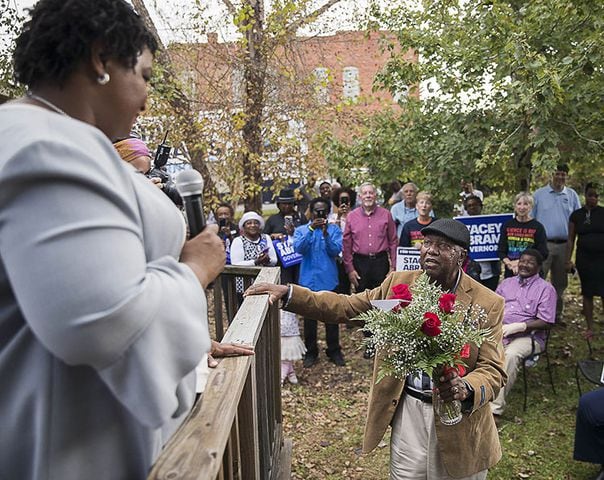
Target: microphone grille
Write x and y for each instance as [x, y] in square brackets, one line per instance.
[189, 182]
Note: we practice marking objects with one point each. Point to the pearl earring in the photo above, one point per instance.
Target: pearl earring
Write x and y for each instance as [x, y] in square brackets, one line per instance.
[103, 79]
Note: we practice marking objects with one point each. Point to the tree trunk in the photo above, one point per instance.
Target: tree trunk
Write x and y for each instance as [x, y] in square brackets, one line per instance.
[182, 107]
[254, 75]
[524, 170]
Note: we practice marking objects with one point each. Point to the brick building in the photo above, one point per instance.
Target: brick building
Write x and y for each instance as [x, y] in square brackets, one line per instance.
[313, 84]
[335, 69]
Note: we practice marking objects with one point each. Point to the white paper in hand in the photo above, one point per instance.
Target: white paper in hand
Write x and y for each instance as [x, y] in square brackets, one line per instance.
[385, 305]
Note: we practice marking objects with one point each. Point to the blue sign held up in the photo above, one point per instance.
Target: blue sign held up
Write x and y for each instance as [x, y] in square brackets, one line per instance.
[286, 253]
[485, 231]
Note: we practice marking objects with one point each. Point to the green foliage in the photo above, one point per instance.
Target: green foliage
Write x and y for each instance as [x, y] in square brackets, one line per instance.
[10, 24]
[505, 94]
[501, 202]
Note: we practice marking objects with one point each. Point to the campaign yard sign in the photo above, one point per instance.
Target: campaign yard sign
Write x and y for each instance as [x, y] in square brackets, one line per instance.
[407, 259]
[485, 231]
[286, 253]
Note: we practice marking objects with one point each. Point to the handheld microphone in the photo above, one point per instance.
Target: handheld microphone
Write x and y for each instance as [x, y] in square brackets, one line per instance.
[189, 184]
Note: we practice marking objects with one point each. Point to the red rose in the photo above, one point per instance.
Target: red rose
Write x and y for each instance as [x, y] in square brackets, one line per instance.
[446, 302]
[465, 351]
[459, 368]
[431, 325]
[402, 292]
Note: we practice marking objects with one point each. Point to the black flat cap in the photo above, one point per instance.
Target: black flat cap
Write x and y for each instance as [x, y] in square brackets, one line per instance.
[454, 230]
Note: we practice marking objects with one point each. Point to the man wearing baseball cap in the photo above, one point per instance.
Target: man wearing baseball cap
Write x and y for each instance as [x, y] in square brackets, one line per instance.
[420, 446]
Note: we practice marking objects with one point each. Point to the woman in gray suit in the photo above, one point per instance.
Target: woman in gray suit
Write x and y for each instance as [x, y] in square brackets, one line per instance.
[102, 304]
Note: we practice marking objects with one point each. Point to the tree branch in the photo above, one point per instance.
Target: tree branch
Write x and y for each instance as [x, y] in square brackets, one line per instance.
[599, 143]
[230, 7]
[293, 27]
[141, 9]
[180, 103]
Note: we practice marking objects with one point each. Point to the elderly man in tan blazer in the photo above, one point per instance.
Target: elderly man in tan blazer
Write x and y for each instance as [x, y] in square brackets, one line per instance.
[422, 448]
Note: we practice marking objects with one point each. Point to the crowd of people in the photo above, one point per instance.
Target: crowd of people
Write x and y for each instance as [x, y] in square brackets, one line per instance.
[92, 289]
[532, 305]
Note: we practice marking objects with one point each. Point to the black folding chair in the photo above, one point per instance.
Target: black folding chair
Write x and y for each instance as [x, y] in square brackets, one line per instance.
[531, 359]
[592, 371]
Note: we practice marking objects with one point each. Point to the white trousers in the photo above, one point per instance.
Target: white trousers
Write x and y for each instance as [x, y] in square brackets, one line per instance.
[414, 451]
[515, 351]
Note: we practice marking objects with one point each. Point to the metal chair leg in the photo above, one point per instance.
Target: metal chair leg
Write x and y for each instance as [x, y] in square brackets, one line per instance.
[525, 383]
[549, 371]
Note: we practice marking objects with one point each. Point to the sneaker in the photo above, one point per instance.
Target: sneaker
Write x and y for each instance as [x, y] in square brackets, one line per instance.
[309, 361]
[337, 358]
[291, 377]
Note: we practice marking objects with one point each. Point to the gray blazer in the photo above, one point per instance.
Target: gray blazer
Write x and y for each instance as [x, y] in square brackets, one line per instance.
[100, 326]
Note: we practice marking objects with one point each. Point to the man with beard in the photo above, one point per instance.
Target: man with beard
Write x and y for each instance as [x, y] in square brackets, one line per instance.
[420, 446]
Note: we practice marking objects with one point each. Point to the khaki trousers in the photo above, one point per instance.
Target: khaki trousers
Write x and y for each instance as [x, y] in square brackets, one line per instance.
[515, 351]
[555, 265]
[414, 451]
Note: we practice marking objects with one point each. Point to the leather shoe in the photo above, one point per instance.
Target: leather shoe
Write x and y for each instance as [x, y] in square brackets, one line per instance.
[309, 361]
[337, 358]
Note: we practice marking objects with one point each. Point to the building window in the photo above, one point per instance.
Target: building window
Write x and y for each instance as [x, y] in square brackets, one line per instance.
[237, 86]
[188, 82]
[400, 92]
[352, 87]
[322, 85]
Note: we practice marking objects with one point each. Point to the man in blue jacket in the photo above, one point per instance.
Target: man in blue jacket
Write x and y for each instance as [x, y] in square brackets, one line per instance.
[319, 243]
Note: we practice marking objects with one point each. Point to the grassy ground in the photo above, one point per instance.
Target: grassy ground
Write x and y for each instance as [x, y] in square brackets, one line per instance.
[324, 414]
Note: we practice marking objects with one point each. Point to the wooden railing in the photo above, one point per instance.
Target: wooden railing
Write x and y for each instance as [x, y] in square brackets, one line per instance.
[235, 430]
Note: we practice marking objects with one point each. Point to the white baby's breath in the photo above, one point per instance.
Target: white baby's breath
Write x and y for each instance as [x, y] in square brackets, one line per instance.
[397, 335]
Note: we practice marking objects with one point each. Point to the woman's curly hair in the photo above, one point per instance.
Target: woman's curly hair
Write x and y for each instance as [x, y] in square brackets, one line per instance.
[61, 33]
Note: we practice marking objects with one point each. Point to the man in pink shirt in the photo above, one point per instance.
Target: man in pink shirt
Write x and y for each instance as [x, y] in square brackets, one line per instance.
[530, 310]
[369, 243]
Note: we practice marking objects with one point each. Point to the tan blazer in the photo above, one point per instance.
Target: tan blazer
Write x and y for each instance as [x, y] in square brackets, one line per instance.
[473, 444]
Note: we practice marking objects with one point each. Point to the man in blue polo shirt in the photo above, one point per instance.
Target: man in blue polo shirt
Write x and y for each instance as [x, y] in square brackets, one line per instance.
[553, 205]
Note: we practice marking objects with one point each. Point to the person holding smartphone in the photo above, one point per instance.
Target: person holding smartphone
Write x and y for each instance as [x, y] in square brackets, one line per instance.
[319, 243]
[227, 230]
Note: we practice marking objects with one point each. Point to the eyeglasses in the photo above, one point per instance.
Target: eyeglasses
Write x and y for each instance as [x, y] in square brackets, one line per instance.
[440, 246]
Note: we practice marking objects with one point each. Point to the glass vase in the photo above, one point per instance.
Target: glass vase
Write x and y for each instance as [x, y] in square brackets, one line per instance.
[449, 412]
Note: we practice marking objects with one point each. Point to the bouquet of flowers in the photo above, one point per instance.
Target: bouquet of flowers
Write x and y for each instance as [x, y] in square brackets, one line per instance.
[428, 331]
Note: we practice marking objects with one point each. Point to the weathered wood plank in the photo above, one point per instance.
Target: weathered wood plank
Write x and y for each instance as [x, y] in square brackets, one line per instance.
[196, 451]
[248, 430]
[284, 471]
